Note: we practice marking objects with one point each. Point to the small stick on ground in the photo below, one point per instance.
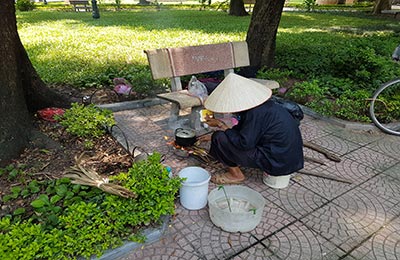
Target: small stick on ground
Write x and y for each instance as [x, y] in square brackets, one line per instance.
[324, 176]
[318, 148]
[316, 160]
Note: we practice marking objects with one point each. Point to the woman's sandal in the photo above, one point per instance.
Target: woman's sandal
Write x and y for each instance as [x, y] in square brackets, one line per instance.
[224, 179]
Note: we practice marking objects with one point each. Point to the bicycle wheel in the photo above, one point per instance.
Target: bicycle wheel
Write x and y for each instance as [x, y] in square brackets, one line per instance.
[385, 107]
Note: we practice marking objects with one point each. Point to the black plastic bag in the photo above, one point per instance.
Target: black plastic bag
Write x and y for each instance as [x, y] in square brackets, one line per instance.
[293, 108]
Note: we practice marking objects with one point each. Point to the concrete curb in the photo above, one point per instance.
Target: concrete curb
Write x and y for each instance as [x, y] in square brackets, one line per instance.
[340, 122]
[152, 235]
[128, 105]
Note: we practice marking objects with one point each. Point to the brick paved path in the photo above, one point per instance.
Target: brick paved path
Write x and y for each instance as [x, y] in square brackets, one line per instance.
[313, 218]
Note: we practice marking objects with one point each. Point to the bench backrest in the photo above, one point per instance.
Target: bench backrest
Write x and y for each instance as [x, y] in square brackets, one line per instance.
[249, 2]
[77, 2]
[175, 62]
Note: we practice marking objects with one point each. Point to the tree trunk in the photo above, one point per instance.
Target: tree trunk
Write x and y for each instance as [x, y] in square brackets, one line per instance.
[236, 8]
[14, 117]
[144, 2]
[21, 89]
[261, 35]
[382, 5]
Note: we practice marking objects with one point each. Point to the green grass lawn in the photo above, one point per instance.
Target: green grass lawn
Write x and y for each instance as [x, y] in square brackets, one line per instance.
[73, 48]
[68, 47]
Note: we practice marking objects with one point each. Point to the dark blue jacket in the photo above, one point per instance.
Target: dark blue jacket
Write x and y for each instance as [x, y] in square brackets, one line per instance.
[274, 133]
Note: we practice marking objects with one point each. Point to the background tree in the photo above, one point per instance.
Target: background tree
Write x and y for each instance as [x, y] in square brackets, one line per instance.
[236, 8]
[261, 35]
[382, 5]
[21, 89]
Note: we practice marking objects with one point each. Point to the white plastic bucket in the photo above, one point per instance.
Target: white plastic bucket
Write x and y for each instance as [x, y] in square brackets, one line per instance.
[194, 190]
[276, 182]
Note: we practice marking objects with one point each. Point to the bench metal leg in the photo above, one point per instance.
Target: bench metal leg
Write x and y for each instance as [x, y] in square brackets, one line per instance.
[195, 118]
[174, 114]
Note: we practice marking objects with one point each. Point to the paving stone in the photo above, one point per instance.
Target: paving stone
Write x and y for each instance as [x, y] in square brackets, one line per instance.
[393, 171]
[295, 200]
[384, 244]
[372, 158]
[209, 240]
[347, 169]
[139, 125]
[311, 130]
[295, 242]
[385, 187]
[313, 218]
[360, 137]
[351, 218]
[172, 246]
[389, 145]
[336, 145]
[324, 126]
[156, 113]
[256, 252]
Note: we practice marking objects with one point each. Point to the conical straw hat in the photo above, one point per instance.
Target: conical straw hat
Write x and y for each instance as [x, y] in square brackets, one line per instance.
[236, 93]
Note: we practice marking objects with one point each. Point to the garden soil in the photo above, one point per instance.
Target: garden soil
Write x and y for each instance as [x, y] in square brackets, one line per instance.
[52, 151]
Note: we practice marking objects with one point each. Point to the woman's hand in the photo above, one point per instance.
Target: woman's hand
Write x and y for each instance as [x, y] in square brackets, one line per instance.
[216, 123]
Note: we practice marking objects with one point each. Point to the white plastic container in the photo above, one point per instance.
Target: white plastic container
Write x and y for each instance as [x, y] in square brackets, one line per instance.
[276, 182]
[194, 190]
[243, 212]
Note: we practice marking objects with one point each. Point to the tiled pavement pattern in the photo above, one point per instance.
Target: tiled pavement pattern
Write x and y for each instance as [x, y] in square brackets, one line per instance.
[313, 218]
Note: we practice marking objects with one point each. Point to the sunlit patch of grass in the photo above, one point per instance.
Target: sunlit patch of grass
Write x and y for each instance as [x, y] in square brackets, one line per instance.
[74, 48]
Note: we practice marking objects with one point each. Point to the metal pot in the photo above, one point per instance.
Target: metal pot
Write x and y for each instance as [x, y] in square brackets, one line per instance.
[185, 137]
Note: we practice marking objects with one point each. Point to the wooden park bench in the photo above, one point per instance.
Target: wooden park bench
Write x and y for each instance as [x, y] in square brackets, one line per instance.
[249, 4]
[173, 63]
[394, 12]
[80, 5]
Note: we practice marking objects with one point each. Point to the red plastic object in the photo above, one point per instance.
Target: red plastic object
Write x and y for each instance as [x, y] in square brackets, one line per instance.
[49, 113]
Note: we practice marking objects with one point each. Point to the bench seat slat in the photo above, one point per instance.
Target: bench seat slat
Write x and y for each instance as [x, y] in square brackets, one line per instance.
[182, 98]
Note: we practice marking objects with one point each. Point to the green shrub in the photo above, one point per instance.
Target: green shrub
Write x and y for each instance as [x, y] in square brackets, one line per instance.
[313, 95]
[309, 5]
[333, 97]
[86, 121]
[363, 60]
[24, 5]
[89, 221]
[277, 74]
[353, 105]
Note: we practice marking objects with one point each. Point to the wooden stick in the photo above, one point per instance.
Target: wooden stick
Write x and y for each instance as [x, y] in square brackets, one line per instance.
[325, 176]
[316, 160]
[318, 148]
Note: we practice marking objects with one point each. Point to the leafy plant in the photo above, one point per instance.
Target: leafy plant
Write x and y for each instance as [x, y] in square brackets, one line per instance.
[13, 172]
[254, 210]
[280, 75]
[47, 209]
[86, 121]
[353, 105]
[313, 95]
[73, 221]
[15, 191]
[24, 5]
[309, 5]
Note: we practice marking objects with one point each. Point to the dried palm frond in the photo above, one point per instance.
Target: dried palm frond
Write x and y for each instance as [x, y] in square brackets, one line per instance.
[79, 175]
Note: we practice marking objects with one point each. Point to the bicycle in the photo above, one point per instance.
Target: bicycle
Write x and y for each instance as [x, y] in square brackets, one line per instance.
[384, 108]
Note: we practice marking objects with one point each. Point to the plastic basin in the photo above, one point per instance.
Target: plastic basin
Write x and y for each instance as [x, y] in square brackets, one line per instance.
[245, 212]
